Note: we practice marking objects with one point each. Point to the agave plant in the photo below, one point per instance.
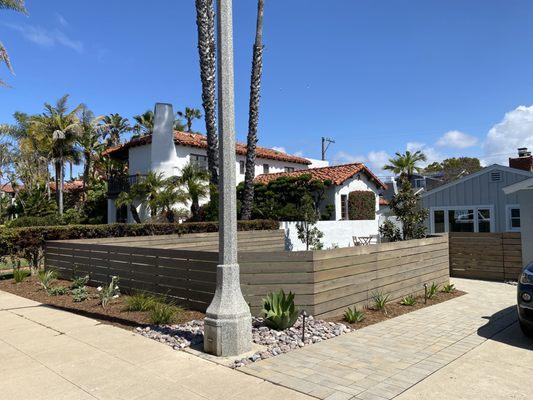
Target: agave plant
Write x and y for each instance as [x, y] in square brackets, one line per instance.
[279, 310]
[352, 315]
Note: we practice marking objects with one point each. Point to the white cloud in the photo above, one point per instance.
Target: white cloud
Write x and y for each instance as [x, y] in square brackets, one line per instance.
[432, 155]
[279, 148]
[457, 140]
[375, 160]
[62, 21]
[514, 131]
[47, 38]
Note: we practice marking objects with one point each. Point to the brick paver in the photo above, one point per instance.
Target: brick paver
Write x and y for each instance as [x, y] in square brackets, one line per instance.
[383, 360]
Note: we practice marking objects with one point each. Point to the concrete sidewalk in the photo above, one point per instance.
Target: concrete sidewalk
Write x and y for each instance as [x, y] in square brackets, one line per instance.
[53, 355]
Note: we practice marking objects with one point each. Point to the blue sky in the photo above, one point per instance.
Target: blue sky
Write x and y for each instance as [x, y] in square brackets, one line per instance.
[451, 77]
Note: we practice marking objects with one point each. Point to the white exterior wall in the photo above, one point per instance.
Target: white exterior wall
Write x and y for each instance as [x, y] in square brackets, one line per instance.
[358, 182]
[336, 233]
[140, 162]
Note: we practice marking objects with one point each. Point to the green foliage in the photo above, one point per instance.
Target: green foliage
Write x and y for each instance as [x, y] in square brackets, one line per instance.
[390, 231]
[79, 294]
[28, 221]
[408, 300]
[351, 315]
[283, 199]
[448, 288]
[28, 243]
[405, 164]
[57, 291]
[108, 292]
[140, 302]
[279, 310]
[20, 274]
[380, 300]
[32, 203]
[46, 278]
[309, 234]
[79, 282]
[454, 168]
[164, 314]
[362, 205]
[432, 290]
[406, 206]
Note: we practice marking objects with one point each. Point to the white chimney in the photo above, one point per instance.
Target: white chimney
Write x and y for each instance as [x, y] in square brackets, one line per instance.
[163, 151]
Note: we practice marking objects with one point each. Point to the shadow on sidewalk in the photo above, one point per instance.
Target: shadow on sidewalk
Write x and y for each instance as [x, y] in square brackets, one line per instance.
[503, 327]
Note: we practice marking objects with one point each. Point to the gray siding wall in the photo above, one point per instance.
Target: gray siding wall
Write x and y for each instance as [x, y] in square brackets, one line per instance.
[526, 216]
[478, 191]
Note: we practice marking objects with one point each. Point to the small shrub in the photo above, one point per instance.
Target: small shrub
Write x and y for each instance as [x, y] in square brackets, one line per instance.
[140, 302]
[20, 274]
[79, 282]
[448, 288]
[109, 292]
[390, 231]
[362, 205]
[408, 300]
[432, 290]
[80, 294]
[46, 278]
[279, 310]
[351, 315]
[57, 291]
[380, 300]
[163, 314]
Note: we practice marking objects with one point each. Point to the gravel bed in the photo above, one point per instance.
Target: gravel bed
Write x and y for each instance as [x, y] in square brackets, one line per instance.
[276, 342]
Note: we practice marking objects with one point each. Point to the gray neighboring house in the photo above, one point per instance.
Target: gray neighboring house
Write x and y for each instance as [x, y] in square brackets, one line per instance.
[524, 191]
[476, 202]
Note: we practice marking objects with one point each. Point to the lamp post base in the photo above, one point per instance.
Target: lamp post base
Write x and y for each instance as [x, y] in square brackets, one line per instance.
[228, 322]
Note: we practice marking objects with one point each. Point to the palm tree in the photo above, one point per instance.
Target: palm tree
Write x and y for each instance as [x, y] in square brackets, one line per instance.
[170, 195]
[16, 5]
[190, 114]
[405, 164]
[253, 116]
[89, 140]
[196, 182]
[57, 130]
[114, 126]
[145, 123]
[205, 20]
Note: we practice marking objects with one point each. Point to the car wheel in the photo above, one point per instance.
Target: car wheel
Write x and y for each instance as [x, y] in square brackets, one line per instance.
[526, 330]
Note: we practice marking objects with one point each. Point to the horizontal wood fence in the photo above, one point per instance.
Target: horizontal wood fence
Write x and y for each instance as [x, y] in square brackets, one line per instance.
[324, 282]
[491, 256]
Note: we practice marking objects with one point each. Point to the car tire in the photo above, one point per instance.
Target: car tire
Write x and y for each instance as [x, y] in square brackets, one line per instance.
[526, 330]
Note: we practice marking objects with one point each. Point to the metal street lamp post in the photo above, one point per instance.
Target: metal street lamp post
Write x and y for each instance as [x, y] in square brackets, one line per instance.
[228, 327]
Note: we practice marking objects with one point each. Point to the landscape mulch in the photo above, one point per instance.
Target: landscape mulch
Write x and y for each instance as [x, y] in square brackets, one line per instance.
[114, 314]
[395, 309]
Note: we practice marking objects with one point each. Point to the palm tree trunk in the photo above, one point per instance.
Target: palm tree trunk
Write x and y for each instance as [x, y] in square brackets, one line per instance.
[205, 20]
[253, 118]
[86, 170]
[59, 185]
[135, 213]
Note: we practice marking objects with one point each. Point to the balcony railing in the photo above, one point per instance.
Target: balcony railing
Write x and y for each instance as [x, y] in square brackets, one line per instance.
[119, 184]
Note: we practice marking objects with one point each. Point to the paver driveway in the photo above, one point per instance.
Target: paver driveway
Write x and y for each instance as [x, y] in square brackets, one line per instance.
[383, 360]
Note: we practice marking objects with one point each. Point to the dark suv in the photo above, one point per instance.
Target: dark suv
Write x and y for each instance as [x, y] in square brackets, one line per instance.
[525, 300]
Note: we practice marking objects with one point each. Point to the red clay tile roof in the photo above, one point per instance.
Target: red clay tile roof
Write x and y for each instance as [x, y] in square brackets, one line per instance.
[72, 185]
[200, 141]
[383, 202]
[7, 188]
[338, 174]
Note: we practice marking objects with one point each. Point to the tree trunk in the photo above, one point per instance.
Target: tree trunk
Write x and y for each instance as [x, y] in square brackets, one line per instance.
[195, 209]
[205, 20]
[134, 213]
[253, 118]
[86, 170]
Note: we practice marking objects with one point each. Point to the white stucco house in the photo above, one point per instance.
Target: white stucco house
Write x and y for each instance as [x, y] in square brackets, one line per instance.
[345, 179]
[167, 151]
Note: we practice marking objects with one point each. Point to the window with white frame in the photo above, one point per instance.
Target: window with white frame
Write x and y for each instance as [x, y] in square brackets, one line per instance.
[513, 218]
[344, 207]
[242, 167]
[462, 219]
[199, 160]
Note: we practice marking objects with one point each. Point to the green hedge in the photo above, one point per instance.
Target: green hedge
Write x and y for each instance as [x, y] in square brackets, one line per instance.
[28, 243]
[362, 205]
